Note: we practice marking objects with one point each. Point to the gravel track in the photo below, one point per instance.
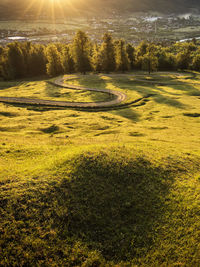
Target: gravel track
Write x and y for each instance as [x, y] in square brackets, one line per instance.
[119, 97]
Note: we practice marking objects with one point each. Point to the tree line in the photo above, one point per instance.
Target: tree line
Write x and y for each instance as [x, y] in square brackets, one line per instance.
[21, 60]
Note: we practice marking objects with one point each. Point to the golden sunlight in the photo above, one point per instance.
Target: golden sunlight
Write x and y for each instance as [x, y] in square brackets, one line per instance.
[55, 2]
[51, 7]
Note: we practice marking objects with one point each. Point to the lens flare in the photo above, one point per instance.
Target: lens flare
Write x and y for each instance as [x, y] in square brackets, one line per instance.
[51, 8]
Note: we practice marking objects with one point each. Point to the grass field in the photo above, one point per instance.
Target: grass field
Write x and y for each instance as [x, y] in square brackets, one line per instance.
[107, 188]
[60, 25]
[47, 91]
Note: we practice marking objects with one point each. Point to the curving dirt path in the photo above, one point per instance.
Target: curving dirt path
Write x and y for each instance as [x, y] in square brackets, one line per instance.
[119, 97]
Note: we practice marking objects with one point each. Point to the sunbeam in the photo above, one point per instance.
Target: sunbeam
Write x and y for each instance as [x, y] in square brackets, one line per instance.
[54, 8]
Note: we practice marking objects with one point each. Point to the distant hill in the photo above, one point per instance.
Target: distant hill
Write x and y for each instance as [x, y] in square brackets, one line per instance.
[152, 5]
[21, 8]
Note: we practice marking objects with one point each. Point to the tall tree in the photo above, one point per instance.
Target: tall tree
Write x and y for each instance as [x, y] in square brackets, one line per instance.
[54, 65]
[122, 60]
[196, 61]
[141, 50]
[1, 62]
[149, 60]
[81, 52]
[16, 62]
[166, 60]
[183, 59]
[130, 50]
[5, 72]
[108, 54]
[38, 60]
[26, 49]
[96, 59]
[67, 60]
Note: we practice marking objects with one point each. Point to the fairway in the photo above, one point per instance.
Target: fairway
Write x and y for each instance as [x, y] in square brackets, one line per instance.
[115, 186]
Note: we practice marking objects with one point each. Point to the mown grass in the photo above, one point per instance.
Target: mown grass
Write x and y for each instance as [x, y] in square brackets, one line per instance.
[108, 188]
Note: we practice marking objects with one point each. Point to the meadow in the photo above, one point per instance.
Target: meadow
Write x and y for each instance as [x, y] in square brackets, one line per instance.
[110, 187]
[35, 25]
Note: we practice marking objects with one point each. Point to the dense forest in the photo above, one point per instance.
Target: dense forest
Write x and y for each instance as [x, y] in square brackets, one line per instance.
[21, 60]
[19, 8]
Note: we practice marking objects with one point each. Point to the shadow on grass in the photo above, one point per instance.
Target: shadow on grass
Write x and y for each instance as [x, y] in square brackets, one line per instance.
[158, 94]
[97, 82]
[187, 88]
[127, 113]
[52, 90]
[96, 206]
[100, 82]
[193, 115]
[36, 108]
[8, 114]
[16, 83]
[7, 84]
[169, 101]
[51, 129]
[149, 89]
[114, 203]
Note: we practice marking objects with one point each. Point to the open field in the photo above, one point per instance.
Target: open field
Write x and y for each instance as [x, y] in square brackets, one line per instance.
[116, 187]
[60, 25]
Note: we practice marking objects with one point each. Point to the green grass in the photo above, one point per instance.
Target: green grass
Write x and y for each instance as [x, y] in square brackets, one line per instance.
[107, 188]
[36, 25]
[188, 29]
[44, 90]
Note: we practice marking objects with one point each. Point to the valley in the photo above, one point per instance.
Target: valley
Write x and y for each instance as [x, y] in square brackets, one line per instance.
[133, 28]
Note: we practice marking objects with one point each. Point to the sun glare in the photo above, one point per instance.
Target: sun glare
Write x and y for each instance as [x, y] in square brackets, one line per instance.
[55, 1]
[51, 7]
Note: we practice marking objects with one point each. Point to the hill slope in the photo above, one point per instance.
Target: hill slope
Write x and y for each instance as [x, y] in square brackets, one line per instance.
[109, 188]
[18, 8]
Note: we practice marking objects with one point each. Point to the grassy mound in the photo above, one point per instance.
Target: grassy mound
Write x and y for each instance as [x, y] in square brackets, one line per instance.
[114, 207]
[67, 199]
[115, 202]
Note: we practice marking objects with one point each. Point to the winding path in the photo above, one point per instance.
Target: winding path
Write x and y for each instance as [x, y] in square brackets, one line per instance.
[119, 97]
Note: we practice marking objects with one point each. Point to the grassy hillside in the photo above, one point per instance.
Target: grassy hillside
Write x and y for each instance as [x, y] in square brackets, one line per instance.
[107, 188]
